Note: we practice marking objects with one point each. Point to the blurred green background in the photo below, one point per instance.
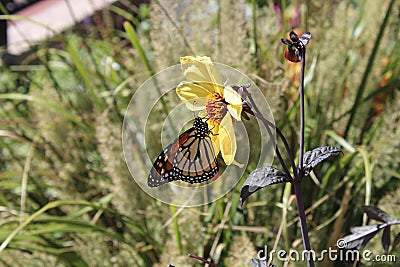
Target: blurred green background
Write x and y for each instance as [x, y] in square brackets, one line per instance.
[67, 197]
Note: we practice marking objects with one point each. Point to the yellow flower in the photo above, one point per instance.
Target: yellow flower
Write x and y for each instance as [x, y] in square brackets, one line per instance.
[220, 104]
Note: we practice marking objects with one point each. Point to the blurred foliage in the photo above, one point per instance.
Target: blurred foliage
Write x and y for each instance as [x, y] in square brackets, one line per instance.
[67, 197]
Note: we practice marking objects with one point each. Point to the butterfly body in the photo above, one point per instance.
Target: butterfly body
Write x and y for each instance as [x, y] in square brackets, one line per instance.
[190, 158]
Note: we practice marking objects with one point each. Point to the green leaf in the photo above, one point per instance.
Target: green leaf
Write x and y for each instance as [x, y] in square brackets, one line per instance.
[69, 114]
[83, 73]
[132, 36]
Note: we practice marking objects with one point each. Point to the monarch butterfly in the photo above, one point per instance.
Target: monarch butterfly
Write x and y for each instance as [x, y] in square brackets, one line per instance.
[190, 158]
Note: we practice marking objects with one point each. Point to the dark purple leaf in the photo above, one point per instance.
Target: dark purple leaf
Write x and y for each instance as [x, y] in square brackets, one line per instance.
[286, 41]
[377, 214]
[260, 178]
[359, 238]
[363, 229]
[258, 263]
[314, 157]
[396, 241]
[305, 38]
[386, 239]
[294, 37]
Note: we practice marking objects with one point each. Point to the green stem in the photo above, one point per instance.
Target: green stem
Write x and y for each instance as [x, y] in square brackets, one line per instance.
[83, 73]
[180, 32]
[254, 7]
[134, 39]
[176, 229]
[367, 71]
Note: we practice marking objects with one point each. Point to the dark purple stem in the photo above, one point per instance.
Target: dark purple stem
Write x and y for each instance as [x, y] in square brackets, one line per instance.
[303, 222]
[267, 125]
[301, 154]
[211, 264]
[297, 183]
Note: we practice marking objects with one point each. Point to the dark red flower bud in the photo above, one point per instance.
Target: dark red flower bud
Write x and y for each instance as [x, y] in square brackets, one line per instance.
[295, 45]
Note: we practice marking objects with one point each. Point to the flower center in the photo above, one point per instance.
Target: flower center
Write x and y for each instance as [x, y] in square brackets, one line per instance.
[216, 107]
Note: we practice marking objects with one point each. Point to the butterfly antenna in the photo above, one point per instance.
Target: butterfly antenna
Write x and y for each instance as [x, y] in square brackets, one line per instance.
[226, 82]
[194, 112]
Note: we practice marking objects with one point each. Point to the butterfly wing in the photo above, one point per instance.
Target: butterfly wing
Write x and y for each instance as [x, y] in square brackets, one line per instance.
[190, 158]
[163, 171]
[195, 161]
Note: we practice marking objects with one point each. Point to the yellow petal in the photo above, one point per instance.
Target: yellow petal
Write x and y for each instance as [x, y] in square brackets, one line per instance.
[215, 137]
[240, 165]
[231, 96]
[235, 102]
[189, 59]
[227, 140]
[212, 87]
[193, 95]
[235, 111]
[200, 69]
